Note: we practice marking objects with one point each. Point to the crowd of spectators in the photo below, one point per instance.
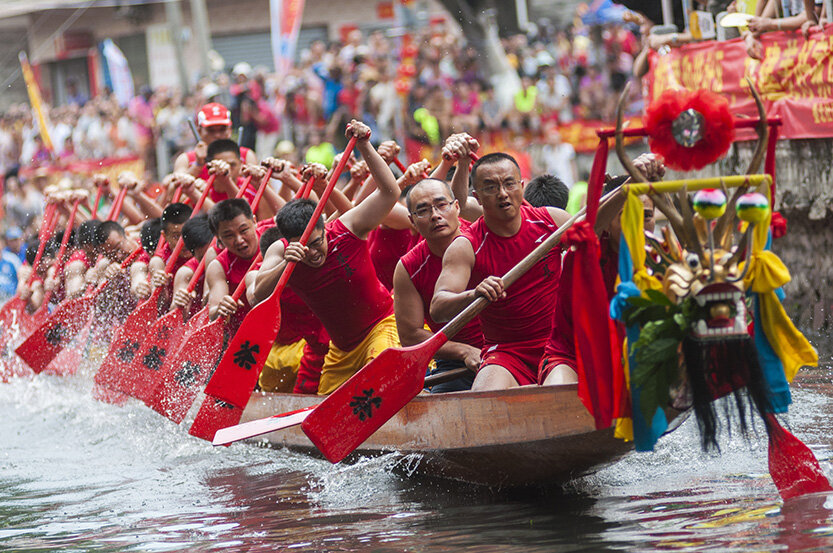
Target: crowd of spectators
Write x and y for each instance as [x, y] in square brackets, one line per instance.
[566, 74]
[434, 85]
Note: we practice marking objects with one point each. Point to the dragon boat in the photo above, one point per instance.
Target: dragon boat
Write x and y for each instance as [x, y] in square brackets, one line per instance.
[533, 435]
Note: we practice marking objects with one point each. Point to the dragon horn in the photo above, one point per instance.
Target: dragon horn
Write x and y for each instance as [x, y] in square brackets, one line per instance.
[636, 174]
[736, 255]
[688, 226]
[762, 129]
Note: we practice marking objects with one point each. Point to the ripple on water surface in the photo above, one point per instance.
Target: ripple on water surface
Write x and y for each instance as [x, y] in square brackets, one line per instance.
[80, 475]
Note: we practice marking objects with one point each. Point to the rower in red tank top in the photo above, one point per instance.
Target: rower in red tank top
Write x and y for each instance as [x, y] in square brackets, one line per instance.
[174, 216]
[82, 259]
[297, 356]
[334, 275]
[435, 215]
[233, 224]
[517, 323]
[191, 155]
[196, 237]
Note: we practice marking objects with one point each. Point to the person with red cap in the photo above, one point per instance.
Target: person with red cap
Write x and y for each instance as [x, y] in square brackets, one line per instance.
[213, 123]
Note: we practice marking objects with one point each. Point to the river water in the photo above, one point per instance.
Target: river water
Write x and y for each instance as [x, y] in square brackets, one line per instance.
[79, 475]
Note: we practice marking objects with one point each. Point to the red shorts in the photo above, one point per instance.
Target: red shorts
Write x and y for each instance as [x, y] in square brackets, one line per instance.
[549, 362]
[519, 358]
[309, 370]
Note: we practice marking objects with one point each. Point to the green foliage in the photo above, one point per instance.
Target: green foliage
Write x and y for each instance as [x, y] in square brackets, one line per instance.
[663, 325]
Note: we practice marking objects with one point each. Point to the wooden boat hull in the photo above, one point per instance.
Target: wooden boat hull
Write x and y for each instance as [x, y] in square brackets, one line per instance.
[534, 435]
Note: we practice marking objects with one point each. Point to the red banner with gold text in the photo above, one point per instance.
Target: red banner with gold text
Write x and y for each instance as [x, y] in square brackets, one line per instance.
[794, 78]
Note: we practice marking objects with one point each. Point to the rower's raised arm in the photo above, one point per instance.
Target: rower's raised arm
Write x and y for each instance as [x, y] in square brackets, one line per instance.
[371, 212]
[268, 275]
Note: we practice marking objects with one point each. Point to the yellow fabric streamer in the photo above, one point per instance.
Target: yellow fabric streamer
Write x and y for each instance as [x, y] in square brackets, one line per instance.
[624, 425]
[633, 219]
[35, 100]
[766, 273]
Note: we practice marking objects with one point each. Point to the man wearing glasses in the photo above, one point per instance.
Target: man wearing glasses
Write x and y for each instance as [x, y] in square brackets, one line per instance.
[436, 216]
[518, 323]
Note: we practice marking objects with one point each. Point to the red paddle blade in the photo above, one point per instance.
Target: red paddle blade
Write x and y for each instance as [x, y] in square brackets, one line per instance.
[351, 414]
[240, 366]
[71, 357]
[165, 396]
[124, 348]
[213, 415]
[792, 465]
[188, 370]
[47, 341]
[251, 429]
[146, 367]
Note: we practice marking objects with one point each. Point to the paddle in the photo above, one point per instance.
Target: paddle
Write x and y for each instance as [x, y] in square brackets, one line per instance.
[13, 311]
[99, 192]
[231, 385]
[793, 467]
[39, 349]
[258, 427]
[146, 367]
[348, 416]
[42, 312]
[115, 209]
[193, 362]
[179, 381]
[114, 371]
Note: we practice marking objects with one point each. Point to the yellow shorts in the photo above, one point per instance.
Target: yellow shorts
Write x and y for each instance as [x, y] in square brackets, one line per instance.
[281, 368]
[340, 365]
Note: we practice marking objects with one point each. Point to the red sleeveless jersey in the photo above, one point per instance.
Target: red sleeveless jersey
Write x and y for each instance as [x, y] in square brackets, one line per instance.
[235, 269]
[264, 225]
[297, 320]
[387, 246]
[526, 313]
[424, 268]
[344, 293]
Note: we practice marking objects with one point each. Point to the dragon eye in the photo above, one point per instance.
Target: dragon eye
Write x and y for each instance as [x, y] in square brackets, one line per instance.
[692, 261]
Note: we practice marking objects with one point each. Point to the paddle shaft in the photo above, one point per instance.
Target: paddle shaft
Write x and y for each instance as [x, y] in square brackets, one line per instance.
[402, 167]
[478, 305]
[261, 190]
[169, 266]
[98, 194]
[274, 297]
[58, 264]
[115, 210]
[50, 216]
[305, 190]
